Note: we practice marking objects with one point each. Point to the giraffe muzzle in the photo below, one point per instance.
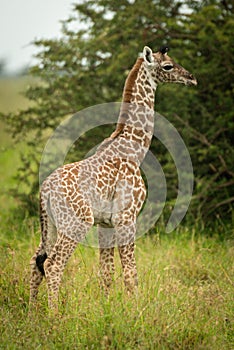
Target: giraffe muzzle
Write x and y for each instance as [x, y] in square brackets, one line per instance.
[191, 80]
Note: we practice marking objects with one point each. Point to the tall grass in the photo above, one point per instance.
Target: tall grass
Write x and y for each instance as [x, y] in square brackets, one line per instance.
[184, 300]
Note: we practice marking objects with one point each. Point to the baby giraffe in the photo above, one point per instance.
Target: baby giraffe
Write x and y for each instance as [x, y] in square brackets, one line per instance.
[105, 189]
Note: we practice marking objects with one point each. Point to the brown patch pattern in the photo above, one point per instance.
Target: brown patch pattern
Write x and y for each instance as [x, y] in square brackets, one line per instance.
[105, 189]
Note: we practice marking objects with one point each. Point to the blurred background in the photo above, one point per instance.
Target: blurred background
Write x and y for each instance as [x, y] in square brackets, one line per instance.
[57, 58]
[21, 23]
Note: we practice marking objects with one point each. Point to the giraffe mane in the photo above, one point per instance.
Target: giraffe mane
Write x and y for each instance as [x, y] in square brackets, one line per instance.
[127, 94]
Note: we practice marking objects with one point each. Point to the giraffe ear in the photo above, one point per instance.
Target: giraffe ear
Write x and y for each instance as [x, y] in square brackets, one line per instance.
[148, 55]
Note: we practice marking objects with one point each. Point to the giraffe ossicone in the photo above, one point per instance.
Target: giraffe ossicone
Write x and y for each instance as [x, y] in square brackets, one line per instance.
[105, 189]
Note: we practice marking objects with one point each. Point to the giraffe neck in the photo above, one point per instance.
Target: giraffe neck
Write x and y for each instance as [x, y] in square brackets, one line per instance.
[139, 88]
[136, 119]
[132, 136]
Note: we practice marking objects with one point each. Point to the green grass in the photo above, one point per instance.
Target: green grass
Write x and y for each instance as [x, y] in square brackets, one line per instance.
[11, 100]
[11, 93]
[184, 301]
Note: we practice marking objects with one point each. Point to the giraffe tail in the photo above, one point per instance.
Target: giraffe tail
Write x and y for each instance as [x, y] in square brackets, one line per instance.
[40, 259]
[41, 254]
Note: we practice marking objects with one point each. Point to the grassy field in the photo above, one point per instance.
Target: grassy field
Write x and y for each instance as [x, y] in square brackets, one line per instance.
[11, 99]
[185, 296]
[184, 301]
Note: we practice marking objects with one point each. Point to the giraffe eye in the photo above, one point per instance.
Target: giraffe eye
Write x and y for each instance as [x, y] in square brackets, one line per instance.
[167, 67]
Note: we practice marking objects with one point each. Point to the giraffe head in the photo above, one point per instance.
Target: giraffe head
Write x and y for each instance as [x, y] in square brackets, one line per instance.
[163, 69]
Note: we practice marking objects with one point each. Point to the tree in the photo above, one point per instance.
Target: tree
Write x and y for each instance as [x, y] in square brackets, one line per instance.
[210, 126]
[88, 65]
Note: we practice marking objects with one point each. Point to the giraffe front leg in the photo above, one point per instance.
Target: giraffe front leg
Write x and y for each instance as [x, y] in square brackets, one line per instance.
[107, 268]
[128, 262]
[125, 235]
[54, 267]
[106, 260]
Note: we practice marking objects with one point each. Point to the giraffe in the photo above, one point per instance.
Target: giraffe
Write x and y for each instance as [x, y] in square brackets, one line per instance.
[105, 189]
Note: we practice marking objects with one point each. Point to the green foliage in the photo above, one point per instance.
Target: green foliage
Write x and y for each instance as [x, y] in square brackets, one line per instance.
[184, 301]
[90, 62]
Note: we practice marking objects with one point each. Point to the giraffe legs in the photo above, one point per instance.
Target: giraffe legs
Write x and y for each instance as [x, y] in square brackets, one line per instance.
[107, 268]
[48, 239]
[54, 267]
[106, 259]
[36, 277]
[125, 236]
[50, 260]
[128, 262]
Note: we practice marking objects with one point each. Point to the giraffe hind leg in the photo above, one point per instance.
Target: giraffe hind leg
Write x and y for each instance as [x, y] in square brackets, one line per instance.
[54, 267]
[40, 256]
[36, 275]
[50, 240]
[57, 259]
